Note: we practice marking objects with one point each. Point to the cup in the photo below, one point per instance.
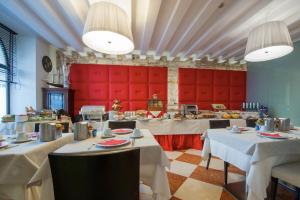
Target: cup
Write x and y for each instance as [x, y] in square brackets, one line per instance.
[107, 132]
[1, 137]
[263, 128]
[22, 137]
[137, 133]
[235, 128]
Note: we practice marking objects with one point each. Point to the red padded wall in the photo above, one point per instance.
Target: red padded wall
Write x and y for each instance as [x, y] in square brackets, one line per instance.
[96, 84]
[205, 86]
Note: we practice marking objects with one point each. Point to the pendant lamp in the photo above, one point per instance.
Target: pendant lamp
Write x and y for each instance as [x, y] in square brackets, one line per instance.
[107, 29]
[268, 41]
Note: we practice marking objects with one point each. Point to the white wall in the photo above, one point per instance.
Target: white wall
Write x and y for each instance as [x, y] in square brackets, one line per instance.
[28, 92]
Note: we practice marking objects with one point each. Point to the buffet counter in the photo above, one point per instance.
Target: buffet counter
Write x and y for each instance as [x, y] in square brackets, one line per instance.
[180, 134]
[178, 127]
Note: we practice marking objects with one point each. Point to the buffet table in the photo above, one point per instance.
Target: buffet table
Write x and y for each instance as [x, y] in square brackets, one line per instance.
[254, 154]
[153, 161]
[24, 169]
[180, 134]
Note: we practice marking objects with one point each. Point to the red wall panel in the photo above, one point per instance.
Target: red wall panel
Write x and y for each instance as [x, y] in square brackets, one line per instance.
[158, 88]
[221, 93]
[237, 78]
[158, 74]
[98, 91]
[187, 76]
[80, 73]
[204, 76]
[204, 105]
[81, 91]
[98, 73]
[187, 93]
[221, 77]
[204, 93]
[100, 84]
[138, 75]
[237, 94]
[138, 92]
[138, 105]
[212, 86]
[118, 91]
[118, 74]
[235, 106]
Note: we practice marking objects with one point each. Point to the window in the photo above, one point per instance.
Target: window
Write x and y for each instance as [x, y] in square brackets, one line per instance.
[7, 64]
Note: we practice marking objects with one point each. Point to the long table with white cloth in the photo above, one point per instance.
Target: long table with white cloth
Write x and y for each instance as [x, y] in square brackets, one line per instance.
[254, 154]
[153, 160]
[185, 127]
[24, 169]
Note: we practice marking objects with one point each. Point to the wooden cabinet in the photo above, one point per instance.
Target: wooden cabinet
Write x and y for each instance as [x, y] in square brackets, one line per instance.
[59, 98]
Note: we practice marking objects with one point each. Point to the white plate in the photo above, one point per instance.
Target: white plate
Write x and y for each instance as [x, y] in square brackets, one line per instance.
[108, 136]
[21, 141]
[3, 144]
[126, 141]
[235, 132]
[132, 136]
[122, 131]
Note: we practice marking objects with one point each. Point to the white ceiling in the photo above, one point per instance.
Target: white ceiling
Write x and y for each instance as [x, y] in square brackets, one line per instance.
[173, 28]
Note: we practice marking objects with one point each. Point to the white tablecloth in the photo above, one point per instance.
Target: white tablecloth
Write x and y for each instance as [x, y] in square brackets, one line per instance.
[190, 126]
[27, 164]
[253, 154]
[153, 161]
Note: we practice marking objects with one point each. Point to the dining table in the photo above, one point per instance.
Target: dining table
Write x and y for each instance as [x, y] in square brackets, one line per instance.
[24, 168]
[153, 160]
[253, 153]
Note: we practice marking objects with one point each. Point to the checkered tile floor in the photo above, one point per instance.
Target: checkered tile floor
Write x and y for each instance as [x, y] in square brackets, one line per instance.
[189, 179]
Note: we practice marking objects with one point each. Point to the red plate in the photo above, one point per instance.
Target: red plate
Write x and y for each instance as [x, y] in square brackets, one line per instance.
[122, 131]
[112, 142]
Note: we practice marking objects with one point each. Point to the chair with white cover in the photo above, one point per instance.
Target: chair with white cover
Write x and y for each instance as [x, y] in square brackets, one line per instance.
[289, 173]
[215, 124]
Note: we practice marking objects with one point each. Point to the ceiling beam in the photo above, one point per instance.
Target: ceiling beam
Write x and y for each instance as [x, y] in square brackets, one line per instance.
[74, 13]
[170, 16]
[191, 24]
[236, 52]
[24, 14]
[240, 33]
[146, 13]
[231, 21]
[55, 21]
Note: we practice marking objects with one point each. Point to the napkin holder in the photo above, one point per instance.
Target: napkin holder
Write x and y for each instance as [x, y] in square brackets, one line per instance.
[81, 131]
[48, 132]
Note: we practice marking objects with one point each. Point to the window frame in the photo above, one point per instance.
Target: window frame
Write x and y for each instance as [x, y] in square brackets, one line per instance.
[7, 69]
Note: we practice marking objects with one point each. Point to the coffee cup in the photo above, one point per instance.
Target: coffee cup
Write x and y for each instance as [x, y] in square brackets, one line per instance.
[137, 132]
[263, 128]
[235, 128]
[22, 137]
[107, 132]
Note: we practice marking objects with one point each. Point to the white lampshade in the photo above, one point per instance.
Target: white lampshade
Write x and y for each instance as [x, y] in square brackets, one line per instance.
[268, 41]
[107, 29]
